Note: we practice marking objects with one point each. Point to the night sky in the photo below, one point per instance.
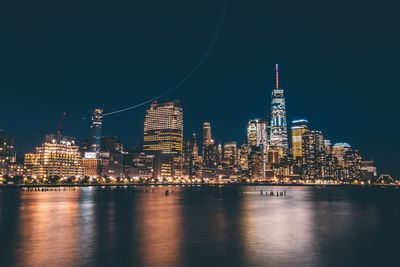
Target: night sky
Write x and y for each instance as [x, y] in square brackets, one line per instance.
[338, 66]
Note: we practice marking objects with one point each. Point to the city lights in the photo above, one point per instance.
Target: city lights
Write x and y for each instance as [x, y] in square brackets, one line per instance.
[166, 157]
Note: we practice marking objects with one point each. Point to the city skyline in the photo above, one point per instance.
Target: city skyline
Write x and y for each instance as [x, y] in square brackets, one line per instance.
[270, 138]
[199, 133]
[335, 87]
[165, 156]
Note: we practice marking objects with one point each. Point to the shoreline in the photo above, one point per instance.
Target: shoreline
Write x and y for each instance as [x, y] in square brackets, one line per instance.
[190, 185]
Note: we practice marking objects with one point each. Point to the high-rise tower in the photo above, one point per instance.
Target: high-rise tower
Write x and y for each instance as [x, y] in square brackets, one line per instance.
[95, 130]
[7, 152]
[278, 131]
[210, 150]
[257, 133]
[207, 138]
[163, 136]
[298, 129]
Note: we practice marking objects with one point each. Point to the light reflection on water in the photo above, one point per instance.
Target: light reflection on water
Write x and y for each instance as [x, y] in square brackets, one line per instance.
[200, 226]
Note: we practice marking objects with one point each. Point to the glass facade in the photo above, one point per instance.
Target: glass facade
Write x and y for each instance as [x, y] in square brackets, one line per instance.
[278, 131]
[163, 133]
[298, 129]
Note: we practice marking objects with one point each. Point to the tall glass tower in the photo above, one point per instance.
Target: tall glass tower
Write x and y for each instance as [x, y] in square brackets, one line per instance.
[207, 137]
[95, 130]
[163, 136]
[278, 131]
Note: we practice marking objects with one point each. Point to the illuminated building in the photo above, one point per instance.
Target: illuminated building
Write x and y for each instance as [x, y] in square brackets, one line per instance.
[91, 165]
[58, 156]
[325, 167]
[256, 164]
[207, 137]
[257, 142]
[298, 129]
[163, 136]
[368, 169]
[195, 149]
[351, 166]
[243, 157]
[107, 162]
[285, 167]
[339, 150]
[187, 158]
[210, 150]
[215, 173]
[190, 156]
[252, 133]
[327, 146]
[7, 153]
[112, 164]
[273, 156]
[141, 167]
[95, 131]
[219, 153]
[313, 146]
[210, 156]
[17, 169]
[278, 131]
[230, 153]
[257, 133]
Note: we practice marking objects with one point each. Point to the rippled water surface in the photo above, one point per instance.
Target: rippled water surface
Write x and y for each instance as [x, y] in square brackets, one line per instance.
[200, 226]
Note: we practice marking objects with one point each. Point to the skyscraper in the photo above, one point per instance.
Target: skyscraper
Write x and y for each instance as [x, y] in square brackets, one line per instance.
[195, 149]
[230, 153]
[257, 142]
[278, 131]
[243, 157]
[210, 156]
[190, 156]
[7, 153]
[207, 137]
[163, 135]
[339, 150]
[313, 147]
[298, 129]
[257, 133]
[210, 150]
[328, 146]
[95, 130]
[257, 163]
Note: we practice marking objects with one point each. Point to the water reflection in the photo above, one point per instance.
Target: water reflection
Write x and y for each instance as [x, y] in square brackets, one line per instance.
[276, 227]
[199, 226]
[158, 228]
[212, 229]
[9, 219]
[49, 229]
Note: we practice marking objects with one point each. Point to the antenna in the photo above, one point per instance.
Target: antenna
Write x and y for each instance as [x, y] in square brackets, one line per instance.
[276, 76]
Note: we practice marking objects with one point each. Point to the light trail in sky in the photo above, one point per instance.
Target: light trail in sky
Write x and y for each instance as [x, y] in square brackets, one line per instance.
[200, 62]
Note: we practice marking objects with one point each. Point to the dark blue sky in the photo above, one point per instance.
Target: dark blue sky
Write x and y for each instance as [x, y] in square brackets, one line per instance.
[339, 67]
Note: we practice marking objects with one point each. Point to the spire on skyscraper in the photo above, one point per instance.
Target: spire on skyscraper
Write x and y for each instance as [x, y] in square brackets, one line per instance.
[278, 137]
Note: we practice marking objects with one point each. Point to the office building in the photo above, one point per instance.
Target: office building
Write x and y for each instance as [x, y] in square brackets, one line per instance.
[163, 137]
[58, 156]
[299, 127]
[7, 153]
[278, 137]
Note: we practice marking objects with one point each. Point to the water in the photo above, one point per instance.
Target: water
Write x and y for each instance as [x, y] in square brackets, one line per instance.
[200, 226]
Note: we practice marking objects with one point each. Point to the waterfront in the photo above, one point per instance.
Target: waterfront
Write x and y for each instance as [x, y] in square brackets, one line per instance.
[200, 226]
